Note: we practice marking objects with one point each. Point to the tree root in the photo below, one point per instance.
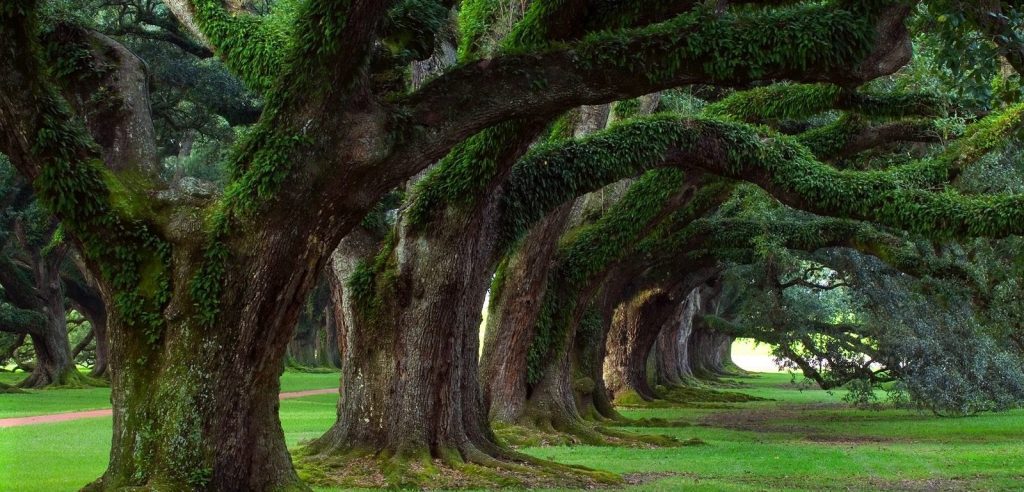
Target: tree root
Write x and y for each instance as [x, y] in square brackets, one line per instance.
[72, 379]
[683, 396]
[6, 388]
[457, 469]
[592, 433]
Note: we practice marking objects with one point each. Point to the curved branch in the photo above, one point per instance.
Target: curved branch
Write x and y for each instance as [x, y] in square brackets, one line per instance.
[900, 197]
[21, 321]
[854, 46]
[801, 101]
[249, 47]
[850, 135]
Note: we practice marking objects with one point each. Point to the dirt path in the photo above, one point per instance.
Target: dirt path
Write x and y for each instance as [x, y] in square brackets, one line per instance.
[63, 417]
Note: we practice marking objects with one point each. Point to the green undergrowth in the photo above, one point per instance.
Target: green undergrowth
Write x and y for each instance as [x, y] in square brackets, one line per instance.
[296, 367]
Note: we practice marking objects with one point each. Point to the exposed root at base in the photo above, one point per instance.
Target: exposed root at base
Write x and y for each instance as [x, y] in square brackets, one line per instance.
[369, 470]
[647, 422]
[6, 388]
[73, 379]
[583, 433]
[683, 396]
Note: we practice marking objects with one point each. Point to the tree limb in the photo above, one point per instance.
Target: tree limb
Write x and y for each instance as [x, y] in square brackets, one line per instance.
[689, 49]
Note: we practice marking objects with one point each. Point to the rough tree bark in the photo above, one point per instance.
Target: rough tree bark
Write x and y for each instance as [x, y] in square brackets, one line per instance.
[410, 387]
[38, 289]
[648, 308]
[634, 330]
[672, 361]
[513, 309]
[708, 352]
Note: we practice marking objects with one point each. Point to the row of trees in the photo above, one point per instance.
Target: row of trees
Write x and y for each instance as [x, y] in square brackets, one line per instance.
[629, 186]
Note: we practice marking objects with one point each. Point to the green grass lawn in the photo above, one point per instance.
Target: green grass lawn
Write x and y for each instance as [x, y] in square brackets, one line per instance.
[802, 440]
[41, 402]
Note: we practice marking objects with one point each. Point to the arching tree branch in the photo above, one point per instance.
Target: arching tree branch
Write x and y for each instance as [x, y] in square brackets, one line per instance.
[693, 48]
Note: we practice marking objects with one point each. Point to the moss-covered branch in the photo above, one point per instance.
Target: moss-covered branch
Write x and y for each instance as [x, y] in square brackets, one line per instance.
[250, 46]
[905, 196]
[479, 162]
[801, 101]
[807, 43]
[21, 321]
[851, 134]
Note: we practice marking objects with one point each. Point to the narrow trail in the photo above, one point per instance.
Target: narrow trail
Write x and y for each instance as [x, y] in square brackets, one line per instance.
[87, 414]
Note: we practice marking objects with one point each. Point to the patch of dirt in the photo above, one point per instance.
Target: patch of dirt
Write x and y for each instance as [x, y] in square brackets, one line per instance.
[763, 419]
[846, 439]
[786, 419]
[645, 477]
[866, 484]
[922, 485]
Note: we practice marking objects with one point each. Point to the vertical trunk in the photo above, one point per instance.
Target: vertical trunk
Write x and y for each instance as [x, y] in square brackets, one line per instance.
[672, 357]
[196, 404]
[552, 403]
[302, 348]
[337, 276]
[551, 400]
[633, 333]
[410, 388]
[192, 418]
[54, 363]
[86, 298]
[725, 350]
[327, 345]
[514, 306]
[708, 349]
[101, 365]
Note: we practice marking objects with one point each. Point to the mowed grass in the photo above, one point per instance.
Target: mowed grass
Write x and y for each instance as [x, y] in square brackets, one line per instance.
[810, 440]
[804, 439]
[42, 402]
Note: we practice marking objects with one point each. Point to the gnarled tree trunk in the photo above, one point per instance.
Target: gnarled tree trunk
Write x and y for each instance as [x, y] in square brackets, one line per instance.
[516, 293]
[38, 290]
[709, 352]
[409, 385]
[672, 361]
[634, 330]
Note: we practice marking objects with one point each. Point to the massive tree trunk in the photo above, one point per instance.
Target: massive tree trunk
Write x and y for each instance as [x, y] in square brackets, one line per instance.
[196, 399]
[410, 389]
[709, 351]
[672, 361]
[515, 303]
[634, 330]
